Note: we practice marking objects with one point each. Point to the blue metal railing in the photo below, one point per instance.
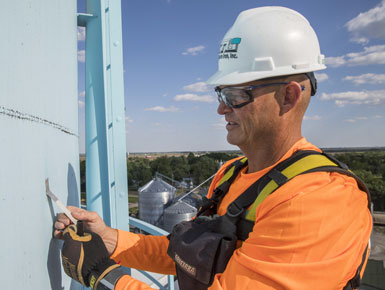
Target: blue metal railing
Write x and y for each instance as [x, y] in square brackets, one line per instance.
[106, 171]
[153, 230]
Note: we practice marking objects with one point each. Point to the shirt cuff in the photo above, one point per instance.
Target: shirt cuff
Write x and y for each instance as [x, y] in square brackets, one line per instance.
[125, 241]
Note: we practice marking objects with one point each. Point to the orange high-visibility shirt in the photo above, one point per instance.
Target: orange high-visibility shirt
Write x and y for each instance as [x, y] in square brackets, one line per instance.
[310, 233]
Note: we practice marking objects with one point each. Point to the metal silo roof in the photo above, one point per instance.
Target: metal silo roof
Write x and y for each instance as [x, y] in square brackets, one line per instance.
[157, 185]
[180, 207]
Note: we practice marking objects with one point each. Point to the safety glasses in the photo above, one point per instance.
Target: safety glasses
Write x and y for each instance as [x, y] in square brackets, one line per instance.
[237, 97]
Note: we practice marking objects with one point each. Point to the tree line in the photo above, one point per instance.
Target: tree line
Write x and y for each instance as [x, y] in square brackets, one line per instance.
[369, 166]
[141, 170]
[199, 168]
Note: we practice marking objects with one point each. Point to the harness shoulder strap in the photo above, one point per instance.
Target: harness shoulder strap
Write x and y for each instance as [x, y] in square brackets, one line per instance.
[298, 163]
[209, 205]
[303, 162]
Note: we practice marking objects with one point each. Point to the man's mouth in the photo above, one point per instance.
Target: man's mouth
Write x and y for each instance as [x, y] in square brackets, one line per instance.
[231, 125]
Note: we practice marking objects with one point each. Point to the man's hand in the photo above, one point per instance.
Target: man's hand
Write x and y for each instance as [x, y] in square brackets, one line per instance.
[85, 257]
[93, 223]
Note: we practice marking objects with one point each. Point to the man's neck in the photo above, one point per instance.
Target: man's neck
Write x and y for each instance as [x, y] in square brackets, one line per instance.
[263, 155]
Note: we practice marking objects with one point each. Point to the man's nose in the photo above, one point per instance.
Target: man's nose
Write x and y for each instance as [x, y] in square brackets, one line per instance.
[223, 108]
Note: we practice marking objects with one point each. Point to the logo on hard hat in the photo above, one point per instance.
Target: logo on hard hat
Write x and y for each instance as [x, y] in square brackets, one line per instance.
[229, 48]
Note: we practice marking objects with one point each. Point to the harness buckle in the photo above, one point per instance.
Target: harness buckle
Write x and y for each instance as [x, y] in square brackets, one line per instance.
[234, 211]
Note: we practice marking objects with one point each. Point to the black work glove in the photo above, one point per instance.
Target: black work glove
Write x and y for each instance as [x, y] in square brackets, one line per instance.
[85, 257]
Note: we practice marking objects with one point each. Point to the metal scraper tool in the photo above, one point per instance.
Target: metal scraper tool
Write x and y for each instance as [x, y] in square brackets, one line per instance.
[59, 203]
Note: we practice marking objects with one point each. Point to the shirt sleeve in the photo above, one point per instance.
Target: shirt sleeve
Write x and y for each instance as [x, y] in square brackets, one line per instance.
[310, 235]
[143, 252]
[126, 282]
[148, 253]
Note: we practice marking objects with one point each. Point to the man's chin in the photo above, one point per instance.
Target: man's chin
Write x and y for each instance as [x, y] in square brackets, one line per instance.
[232, 140]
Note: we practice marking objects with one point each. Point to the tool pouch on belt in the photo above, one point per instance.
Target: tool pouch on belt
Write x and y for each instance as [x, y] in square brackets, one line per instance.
[200, 249]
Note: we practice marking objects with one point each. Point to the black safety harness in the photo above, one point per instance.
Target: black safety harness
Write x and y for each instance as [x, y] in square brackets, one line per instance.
[202, 247]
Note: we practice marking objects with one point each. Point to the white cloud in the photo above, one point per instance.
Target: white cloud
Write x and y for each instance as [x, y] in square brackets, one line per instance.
[162, 109]
[367, 25]
[81, 33]
[312, 118]
[194, 98]
[368, 78]
[360, 40]
[194, 50]
[370, 55]
[357, 119]
[81, 104]
[321, 77]
[357, 97]
[81, 55]
[220, 124]
[335, 61]
[199, 87]
[353, 120]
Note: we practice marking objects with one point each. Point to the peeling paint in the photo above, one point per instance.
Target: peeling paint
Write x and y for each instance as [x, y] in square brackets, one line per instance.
[23, 116]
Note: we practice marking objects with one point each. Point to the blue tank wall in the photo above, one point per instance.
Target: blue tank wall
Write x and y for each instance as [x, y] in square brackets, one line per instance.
[39, 137]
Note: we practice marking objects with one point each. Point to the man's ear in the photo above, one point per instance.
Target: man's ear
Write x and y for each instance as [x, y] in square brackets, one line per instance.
[291, 96]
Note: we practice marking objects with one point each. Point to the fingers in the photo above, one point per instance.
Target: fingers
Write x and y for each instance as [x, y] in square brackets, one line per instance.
[92, 221]
[62, 218]
[61, 223]
[76, 212]
[58, 234]
[82, 214]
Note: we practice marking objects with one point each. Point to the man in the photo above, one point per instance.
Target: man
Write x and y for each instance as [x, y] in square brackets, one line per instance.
[310, 233]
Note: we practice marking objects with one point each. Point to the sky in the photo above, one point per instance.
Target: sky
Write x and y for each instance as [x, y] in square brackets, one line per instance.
[170, 48]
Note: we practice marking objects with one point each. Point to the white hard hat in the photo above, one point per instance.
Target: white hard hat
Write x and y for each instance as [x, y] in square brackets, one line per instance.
[267, 42]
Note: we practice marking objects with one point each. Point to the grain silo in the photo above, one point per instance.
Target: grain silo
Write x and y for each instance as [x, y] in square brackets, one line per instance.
[176, 213]
[153, 198]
